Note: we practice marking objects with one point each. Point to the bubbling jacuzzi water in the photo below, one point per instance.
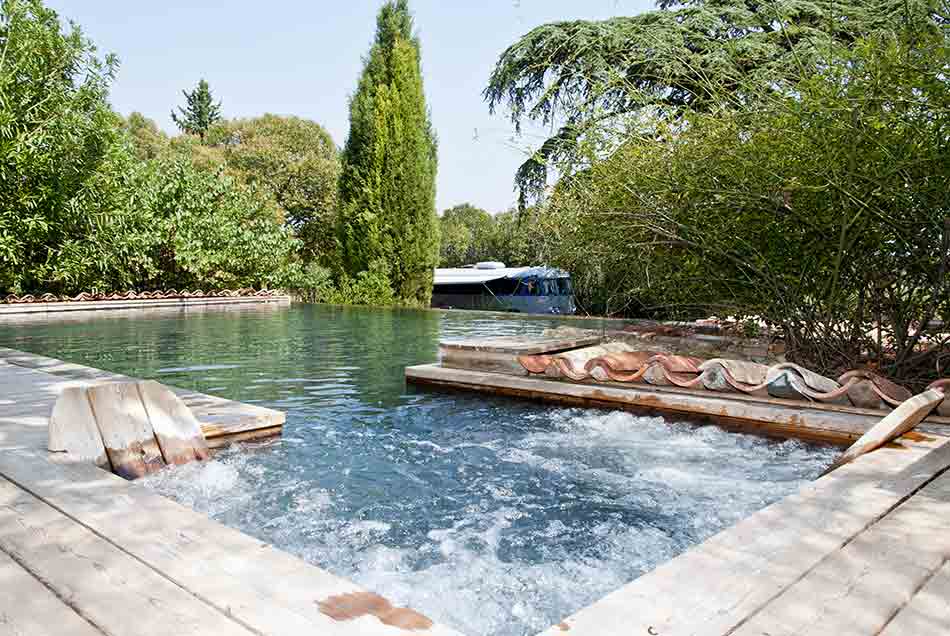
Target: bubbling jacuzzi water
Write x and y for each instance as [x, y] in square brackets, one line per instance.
[497, 517]
[506, 528]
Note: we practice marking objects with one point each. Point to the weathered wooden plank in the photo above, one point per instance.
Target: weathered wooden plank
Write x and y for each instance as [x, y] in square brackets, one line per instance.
[117, 593]
[176, 430]
[271, 591]
[928, 613]
[714, 587]
[45, 309]
[125, 428]
[27, 608]
[780, 418]
[521, 345]
[856, 590]
[552, 390]
[222, 421]
[73, 429]
[902, 419]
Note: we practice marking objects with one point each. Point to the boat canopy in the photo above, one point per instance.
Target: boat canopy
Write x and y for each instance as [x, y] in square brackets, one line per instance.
[469, 275]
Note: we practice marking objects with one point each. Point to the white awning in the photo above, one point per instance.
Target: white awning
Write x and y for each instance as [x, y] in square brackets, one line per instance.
[466, 275]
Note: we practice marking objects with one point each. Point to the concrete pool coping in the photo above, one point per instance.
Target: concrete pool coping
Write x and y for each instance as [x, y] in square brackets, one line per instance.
[863, 550]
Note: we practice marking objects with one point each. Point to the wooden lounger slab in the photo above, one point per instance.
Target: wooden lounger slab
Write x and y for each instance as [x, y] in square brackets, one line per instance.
[126, 430]
[73, 428]
[33, 382]
[176, 430]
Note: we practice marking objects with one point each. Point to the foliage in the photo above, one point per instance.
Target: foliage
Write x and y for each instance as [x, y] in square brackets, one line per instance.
[579, 75]
[89, 201]
[369, 287]
[148, 141]
[168, 225]
[296, 161]
[822, 210]
[466, 232]
[55, 130]
[470, 235]
[199, 113]
[387, 187]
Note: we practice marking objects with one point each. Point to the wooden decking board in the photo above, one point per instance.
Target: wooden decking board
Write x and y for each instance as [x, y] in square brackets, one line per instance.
[111, 590]
[166, 304]
[28, 608]
[715, 586]
[928, 612]
[860, 587]
[260, 586]
[31, 383]
[772, 416]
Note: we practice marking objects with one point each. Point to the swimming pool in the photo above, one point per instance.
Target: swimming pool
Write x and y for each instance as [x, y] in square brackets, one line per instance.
[494, 516]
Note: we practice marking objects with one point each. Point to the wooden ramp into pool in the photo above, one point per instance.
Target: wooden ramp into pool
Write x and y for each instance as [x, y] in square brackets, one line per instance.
[32, 382]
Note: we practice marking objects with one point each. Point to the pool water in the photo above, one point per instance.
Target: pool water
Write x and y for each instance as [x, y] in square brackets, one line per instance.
[495, 516]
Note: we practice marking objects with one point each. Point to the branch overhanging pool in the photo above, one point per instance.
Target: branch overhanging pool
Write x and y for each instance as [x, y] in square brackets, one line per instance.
[494, 516]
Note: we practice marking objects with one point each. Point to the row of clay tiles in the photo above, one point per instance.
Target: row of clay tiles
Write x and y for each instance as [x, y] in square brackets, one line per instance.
[619, 362]
[147, 295]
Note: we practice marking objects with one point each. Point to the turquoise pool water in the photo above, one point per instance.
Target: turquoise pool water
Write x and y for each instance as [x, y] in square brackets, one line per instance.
[498, 517]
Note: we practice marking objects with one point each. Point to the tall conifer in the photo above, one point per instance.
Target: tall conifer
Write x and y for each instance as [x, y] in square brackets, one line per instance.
[388, 221]
[200, 111]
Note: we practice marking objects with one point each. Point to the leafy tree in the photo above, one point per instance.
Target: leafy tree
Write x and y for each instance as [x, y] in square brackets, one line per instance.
[514, 239]
[55, 130]
[199, 113]
[148, 141]
[686, 54]
[165, 224]
[466, 235]
[296, 161]
[822, 210]
[387, 187]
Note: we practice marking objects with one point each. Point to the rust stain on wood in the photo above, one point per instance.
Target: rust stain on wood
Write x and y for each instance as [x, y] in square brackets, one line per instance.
[895, 446]
[348, 607]
[914, 436]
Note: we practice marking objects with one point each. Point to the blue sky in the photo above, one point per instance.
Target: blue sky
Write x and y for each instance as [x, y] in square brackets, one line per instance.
[303, 58]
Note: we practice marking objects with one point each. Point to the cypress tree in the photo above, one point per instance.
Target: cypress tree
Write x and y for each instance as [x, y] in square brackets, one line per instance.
[388, 222]
[200, 111]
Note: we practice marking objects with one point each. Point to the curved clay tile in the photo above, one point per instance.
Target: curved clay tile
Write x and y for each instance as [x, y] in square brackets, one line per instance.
[943, 385]
[867, 389]
[573, 364]
[795, 382]
[619, 367]
[677, 364]
[535, 363]
[668, 369]
[742, 376]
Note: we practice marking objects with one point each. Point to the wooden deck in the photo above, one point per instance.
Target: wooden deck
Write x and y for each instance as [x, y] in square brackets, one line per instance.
[825, 423]
[44, 310]
[862, 551]
[222, 421]
[84, 552]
